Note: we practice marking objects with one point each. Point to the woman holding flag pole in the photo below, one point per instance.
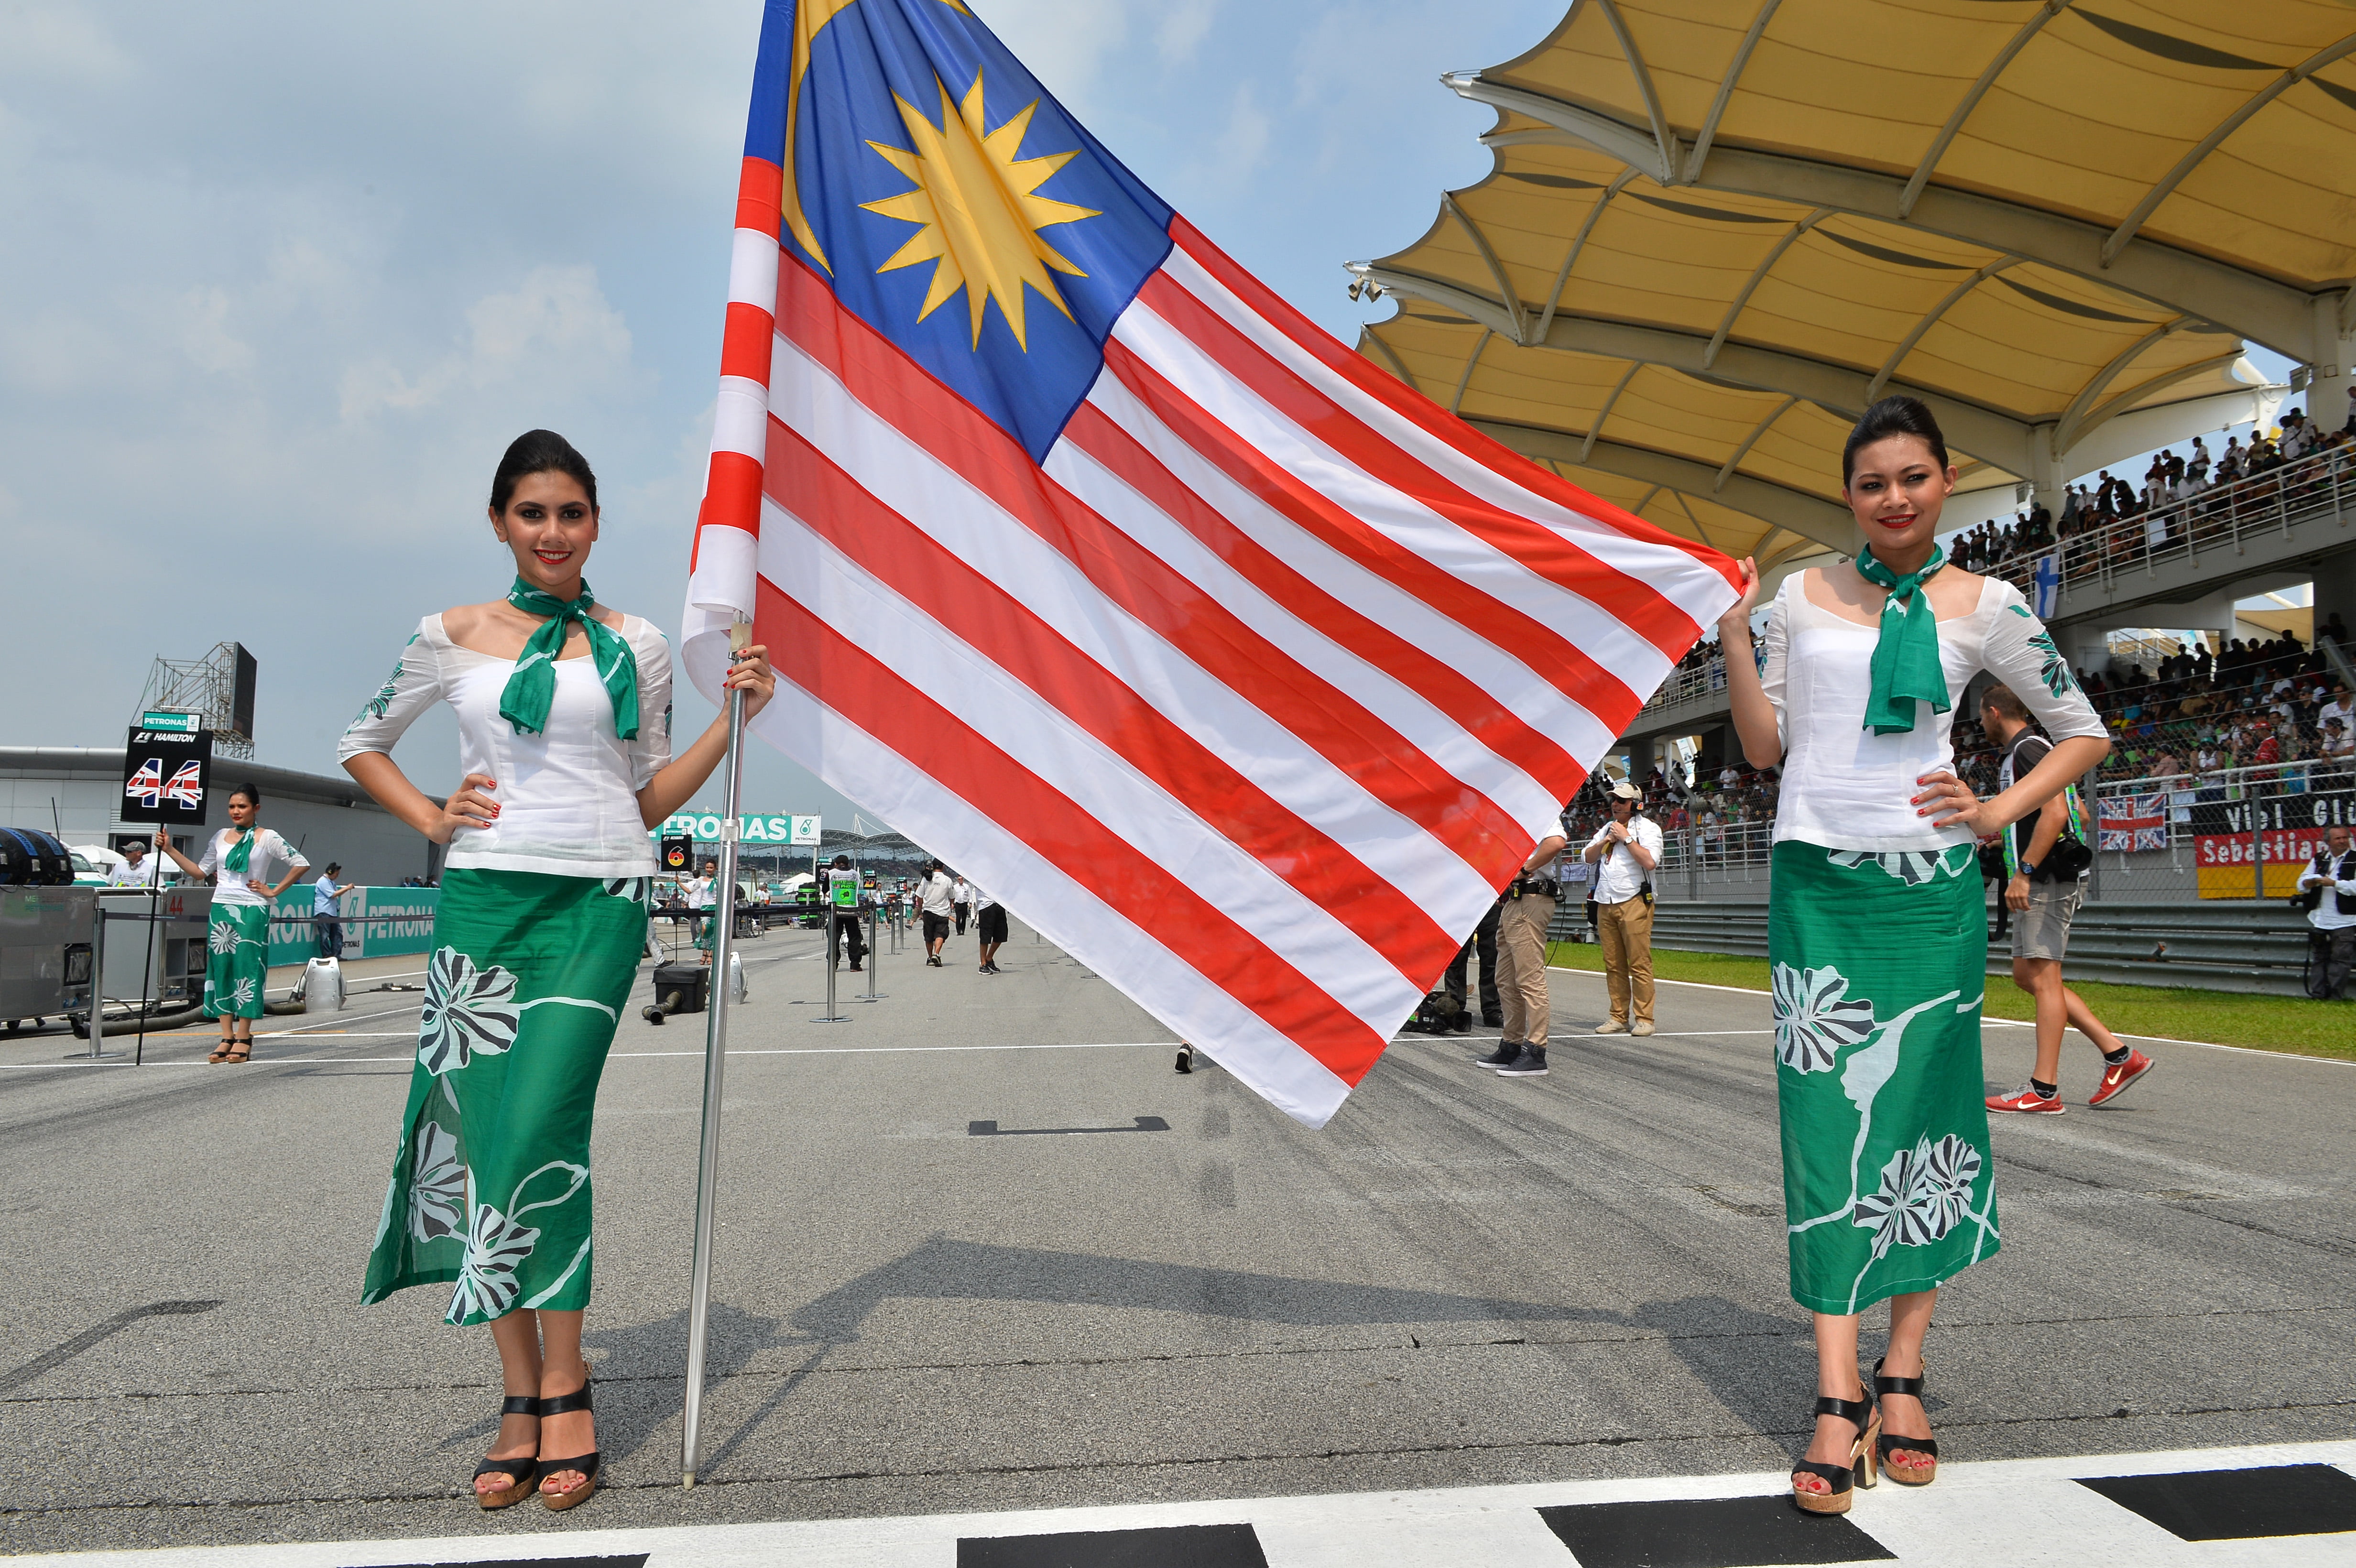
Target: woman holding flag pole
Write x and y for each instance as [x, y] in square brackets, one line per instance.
[564, 708]
[1877, 933]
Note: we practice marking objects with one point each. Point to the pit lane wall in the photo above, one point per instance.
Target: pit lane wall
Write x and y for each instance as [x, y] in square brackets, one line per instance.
[378, 923]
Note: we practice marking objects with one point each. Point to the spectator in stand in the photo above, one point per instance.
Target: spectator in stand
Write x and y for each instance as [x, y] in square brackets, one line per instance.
[2330, 881]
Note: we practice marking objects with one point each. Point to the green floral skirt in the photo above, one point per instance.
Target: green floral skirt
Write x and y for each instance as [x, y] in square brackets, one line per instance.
[490, 1187]
[237, 959]
[1881, 964]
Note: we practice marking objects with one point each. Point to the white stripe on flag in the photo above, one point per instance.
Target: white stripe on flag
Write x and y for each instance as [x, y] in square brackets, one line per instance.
[1434, 732]
[1677, 577]
[1528, 695]
[1097, 780]
[753, 269]
[740, 420]
[1399, 516]
[921, 488]
[1059, 908]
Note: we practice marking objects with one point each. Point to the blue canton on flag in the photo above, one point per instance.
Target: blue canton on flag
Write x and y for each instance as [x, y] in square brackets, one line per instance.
[953, 205]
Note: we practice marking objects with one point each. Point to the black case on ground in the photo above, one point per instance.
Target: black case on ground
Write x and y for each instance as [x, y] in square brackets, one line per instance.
[692, 982]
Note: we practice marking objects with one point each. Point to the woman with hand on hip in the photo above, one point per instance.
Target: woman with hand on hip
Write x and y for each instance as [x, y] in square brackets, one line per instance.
[563, 708]
[237, 937]
[1877, 932]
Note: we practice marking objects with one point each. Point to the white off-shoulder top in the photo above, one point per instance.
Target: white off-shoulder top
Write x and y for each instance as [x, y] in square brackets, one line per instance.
[1846, 787]
[568, 796]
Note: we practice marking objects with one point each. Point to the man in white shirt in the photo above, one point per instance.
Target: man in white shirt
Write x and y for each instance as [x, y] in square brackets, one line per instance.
[703, 891]
[136, 870]
[934, 898]
[961, 901]
[1624, 851]
[2330, 879]
[327, 912]
[2338, 707]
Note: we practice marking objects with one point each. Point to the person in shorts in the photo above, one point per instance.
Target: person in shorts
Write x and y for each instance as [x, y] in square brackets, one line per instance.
[933, 897]
[2043, 906]
[989, 918]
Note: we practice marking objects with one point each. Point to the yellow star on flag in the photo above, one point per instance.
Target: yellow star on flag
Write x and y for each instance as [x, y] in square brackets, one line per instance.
[980, 220]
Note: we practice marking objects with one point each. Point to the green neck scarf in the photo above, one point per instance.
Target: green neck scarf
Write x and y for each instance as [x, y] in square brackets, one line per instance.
[525, 701]
[239, 859]
[1906, 668]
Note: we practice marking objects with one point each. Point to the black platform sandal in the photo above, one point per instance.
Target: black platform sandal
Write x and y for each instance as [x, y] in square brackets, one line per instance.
[522, 1470]
[1904, 1475]
[586, 1464]
[1866, 1416]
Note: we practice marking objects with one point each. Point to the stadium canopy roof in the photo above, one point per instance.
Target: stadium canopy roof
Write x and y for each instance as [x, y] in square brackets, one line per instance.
[1715, 229]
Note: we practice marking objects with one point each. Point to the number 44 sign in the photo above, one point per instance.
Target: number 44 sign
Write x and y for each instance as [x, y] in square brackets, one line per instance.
[168, 763]
[771, 829]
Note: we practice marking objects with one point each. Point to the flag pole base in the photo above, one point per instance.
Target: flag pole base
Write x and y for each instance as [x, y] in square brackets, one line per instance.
[689, 1479]
[876, 997]
[833, 1018]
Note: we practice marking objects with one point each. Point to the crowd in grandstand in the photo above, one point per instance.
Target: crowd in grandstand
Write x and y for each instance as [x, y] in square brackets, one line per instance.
[2188, 498]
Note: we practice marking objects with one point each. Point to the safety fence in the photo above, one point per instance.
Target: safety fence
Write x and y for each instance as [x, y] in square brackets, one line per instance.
[2220, 517]
[2228, 834]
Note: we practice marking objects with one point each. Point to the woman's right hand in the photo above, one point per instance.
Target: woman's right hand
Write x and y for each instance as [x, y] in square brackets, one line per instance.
[469, 806]
[1738, 612]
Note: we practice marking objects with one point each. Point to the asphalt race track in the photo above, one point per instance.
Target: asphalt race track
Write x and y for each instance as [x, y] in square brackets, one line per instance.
[1133, 1289]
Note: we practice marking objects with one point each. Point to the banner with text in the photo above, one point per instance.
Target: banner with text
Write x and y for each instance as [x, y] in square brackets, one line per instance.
[2233, 838]
[378, 923]
[769, 829]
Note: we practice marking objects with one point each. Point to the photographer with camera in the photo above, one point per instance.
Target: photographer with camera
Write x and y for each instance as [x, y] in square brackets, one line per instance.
[2327, 891]
[1523, 915]
[2048, 856]
[1625, 850]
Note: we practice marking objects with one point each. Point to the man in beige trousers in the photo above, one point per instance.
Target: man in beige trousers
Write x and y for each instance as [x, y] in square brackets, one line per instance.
[1527, 909]
[1624, 851]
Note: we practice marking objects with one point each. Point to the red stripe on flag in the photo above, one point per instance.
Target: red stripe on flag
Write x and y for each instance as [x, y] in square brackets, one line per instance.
[905, 395]
[1502, 731]
[1412, 404]
[1001, 629]
[758, 185]
[1632, 602]
[746, 345]
[846, 678]
[1565, 665]
[731, 496]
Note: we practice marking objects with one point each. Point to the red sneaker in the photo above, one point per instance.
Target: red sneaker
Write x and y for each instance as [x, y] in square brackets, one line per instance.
[2026, 1098]
[2115, 1080]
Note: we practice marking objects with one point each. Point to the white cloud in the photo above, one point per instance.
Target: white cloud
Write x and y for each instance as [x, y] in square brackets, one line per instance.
[556, 332]
[205, 336]
[1182, 30]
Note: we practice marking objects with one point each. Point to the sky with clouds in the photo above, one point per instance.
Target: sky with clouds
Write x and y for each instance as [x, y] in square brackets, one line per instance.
[278, 283]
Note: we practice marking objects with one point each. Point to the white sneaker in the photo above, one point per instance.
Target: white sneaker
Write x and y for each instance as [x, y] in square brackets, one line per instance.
[1611, 1026]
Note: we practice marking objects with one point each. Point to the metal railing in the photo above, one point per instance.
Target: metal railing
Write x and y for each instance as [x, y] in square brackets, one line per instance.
[2241, 834]
[2223, 517]
[1688, 682]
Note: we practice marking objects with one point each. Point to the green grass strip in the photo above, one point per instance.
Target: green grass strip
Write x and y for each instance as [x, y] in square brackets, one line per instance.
[2289, 1024]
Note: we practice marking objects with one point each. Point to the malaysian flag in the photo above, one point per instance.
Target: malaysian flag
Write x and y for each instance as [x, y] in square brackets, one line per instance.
[1243, 672]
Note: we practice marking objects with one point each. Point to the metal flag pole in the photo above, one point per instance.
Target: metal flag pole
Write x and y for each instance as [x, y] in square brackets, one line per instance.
[715, 1056]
